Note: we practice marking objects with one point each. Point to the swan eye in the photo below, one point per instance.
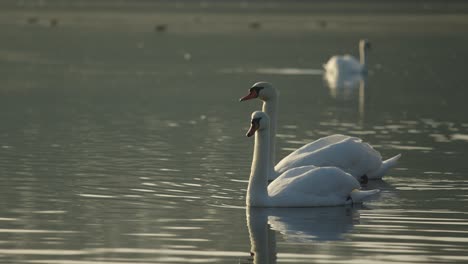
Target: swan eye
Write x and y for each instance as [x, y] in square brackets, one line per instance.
[257, 89]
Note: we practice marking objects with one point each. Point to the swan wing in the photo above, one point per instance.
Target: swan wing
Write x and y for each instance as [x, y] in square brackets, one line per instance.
[342, 82]
[343, 65]
[319, 143]
[350, 154]
[296, 171]
[321, 186]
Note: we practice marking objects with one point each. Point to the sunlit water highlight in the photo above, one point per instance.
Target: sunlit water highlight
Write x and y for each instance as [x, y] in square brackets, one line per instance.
[123, 144]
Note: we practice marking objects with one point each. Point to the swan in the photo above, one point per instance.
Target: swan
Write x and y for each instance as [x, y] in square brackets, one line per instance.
[342, 87]
[347, 64]
[306, 186]
[350, 154]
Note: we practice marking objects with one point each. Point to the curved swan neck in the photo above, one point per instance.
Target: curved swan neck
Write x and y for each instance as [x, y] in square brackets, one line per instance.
[271, 107]
[257, 193]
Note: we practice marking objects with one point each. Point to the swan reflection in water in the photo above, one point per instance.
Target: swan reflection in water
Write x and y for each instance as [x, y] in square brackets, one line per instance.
[348, 87]
[297, 225]
[344, 73]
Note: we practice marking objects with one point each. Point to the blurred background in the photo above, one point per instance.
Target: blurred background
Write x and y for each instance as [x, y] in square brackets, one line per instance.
[122, 139]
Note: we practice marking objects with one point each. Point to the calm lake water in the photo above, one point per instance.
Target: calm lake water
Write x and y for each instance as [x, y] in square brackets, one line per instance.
[122, 139]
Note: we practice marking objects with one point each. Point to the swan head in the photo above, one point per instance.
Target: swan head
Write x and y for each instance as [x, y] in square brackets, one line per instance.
[259, 121]
[261, 90]
[364, 44]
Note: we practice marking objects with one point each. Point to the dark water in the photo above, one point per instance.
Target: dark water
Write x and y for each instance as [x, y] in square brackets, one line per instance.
[123, 144]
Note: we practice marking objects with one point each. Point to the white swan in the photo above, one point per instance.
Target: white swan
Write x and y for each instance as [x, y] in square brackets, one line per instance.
[347, 64]
[347, 153]
[343, 87]
[306, 186]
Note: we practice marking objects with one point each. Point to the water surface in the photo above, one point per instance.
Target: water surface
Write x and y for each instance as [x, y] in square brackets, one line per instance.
[123, 144]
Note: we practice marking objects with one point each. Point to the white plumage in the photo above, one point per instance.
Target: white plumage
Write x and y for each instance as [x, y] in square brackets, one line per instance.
[350, 154]
[306, 186]
[339, 66]
[346, 64]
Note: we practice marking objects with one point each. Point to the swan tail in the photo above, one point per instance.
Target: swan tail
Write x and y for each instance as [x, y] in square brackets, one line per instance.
[384, 168]
[358, 196]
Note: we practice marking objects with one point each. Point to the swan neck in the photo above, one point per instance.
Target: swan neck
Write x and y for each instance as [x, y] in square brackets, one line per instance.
[257, 193]
[271, 107]
[363, 56]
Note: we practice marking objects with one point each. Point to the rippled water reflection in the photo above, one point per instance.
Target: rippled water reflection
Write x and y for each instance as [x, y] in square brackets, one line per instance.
[120, 144]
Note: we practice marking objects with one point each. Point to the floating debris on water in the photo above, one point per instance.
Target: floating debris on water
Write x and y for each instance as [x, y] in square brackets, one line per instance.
[32, 20]
[254, 25]
[322, 23]
[54, 22]
[187, 56]
[160, 28]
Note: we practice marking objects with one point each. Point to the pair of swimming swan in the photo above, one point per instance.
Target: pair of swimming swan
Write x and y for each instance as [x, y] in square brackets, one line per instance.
[321, 173]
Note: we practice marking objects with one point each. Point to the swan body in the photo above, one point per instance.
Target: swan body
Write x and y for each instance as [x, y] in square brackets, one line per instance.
[306, 186]
[319, 186]
[347, 64]
[350, 154]
[343, 85]
[360, 157]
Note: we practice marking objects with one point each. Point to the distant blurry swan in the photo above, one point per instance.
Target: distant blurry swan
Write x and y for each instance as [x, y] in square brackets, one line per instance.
[347, 64]
[350, 154]
[306, 186]
[341, 86]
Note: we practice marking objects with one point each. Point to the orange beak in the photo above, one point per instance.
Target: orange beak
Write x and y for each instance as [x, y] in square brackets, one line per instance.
[253, 94]
[254, 127]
